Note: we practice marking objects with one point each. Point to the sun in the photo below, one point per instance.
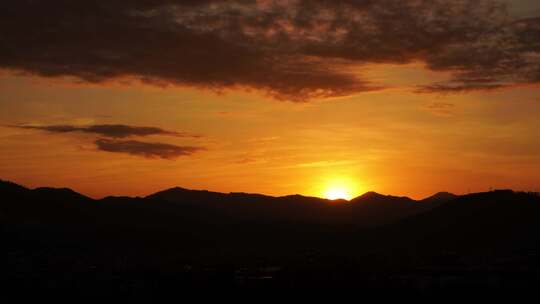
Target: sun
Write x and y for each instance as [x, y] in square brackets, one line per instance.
[339, 187]
[336, 193]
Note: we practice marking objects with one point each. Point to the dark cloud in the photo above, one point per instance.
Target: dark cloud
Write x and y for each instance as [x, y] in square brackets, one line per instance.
[145, 149]
[113, 131]
[116, 133]
[506, 56]
[295, 50]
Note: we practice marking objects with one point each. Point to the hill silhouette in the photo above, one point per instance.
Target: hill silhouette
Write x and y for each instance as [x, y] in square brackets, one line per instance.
[203, 238]
[497, 220]
[370, 209]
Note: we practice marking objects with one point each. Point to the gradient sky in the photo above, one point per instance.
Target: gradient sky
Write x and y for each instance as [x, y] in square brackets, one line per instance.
[406, 97]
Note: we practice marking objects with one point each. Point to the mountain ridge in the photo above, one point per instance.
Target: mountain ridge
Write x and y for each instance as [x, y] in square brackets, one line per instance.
[371, 209]
[178, 189]
[474, 238]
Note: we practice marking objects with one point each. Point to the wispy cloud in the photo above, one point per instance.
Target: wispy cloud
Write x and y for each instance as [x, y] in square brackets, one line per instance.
[145, 149]
[112, 131]
[115, 133]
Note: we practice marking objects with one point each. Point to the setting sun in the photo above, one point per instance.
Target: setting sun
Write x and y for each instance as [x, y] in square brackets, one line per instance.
[339, 187]
[338, 193]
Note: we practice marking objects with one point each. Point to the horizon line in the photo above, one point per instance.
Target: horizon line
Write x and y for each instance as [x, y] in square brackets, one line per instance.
[262, 194]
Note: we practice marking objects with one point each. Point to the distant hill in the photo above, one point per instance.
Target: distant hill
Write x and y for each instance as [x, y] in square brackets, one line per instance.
[181, 237]
[441, 219]
[180, 210]
[370, 209]
[383, 209]
[498, 220]
[440, 197]
[179, 204]
[195, 216]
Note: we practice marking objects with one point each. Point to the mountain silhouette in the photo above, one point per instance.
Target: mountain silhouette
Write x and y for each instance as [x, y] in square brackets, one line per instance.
[440, 197]
[379, 209]
[233, 238]
[498, 220]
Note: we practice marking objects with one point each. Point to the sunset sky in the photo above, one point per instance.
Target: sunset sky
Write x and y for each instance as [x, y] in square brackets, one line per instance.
[402, 97]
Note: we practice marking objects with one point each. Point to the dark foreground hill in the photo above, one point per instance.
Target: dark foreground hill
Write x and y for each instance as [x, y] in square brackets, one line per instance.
[57, 239]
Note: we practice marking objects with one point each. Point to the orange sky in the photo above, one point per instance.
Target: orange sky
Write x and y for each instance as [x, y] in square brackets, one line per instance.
[393, 140]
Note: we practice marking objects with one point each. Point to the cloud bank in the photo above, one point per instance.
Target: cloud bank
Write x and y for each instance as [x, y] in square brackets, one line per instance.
[290, 49]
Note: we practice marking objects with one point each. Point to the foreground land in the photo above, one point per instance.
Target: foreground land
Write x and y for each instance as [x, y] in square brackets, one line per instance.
[57, 240]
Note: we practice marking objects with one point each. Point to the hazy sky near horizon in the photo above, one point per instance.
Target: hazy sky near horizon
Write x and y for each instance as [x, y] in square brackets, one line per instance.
[406, 97]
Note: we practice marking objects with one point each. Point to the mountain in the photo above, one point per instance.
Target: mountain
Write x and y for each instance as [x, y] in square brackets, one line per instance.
[440, 197]
[178, 207]
[196, 217]
[380, 209]
[179, 195]
[501, 219]
[205, 207]
[8, 187]
[367, 210]
[180, 237]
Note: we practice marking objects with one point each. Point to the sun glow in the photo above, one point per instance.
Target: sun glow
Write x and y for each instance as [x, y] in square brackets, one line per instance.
[339, 188]
[337, 193]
